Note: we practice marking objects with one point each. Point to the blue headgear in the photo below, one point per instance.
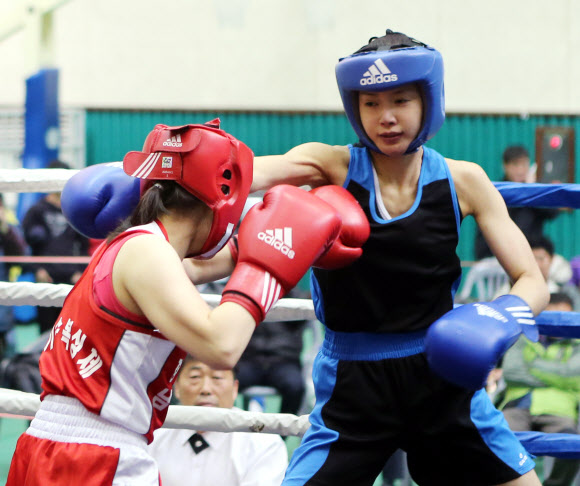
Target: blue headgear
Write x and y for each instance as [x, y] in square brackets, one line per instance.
[385, 64]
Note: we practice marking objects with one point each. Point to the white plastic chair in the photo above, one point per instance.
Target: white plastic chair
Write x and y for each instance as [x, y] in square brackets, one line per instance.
[486, 278]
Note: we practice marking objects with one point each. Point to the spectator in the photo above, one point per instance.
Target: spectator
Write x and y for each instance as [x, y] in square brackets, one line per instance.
[186, 458]
[543, 250]
[516, 166]
[542, 389]
[48, 233]
[11, 244]
[272, 358]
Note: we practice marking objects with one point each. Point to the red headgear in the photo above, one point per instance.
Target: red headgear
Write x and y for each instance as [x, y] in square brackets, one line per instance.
[207, 162]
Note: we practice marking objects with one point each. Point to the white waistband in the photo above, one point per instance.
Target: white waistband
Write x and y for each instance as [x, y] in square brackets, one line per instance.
[65, 419]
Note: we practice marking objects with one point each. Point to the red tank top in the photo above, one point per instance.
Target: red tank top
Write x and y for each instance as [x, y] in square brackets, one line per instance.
[103, 291]
[117, 365]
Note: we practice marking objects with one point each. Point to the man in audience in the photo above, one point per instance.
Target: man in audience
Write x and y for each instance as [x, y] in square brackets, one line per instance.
[196, 458]
[543, 389]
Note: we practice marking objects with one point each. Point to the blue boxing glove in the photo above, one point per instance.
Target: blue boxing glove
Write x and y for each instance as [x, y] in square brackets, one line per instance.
[465, 344]
[96, 199]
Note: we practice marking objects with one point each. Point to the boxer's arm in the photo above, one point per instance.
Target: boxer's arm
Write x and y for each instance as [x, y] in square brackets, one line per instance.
[311, 164]
[216, 268]
[164, 293]
[479, 197]
[279, 239]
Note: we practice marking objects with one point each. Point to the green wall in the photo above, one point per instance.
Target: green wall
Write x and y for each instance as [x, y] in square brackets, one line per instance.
[477, 138]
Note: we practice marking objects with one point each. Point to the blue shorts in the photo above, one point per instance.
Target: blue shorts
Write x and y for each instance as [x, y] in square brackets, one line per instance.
[375, 393]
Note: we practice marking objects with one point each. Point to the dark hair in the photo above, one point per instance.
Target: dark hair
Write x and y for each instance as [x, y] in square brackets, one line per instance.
[161, 198]
[391, 40]
[561, 298]
[514, 152]
[542, 241]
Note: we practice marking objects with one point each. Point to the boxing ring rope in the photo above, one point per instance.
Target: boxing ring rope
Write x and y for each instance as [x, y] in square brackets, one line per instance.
[184, 417]
[53, 295]
[25, 405]
[551, 323]
[34, 180]
[20, 404]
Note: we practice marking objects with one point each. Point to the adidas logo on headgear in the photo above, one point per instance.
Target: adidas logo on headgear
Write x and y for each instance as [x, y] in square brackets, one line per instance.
[280, 239]
[174, 141]
[378, 72]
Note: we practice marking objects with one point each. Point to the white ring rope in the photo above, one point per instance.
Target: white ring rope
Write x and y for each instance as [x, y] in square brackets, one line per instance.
[53, 295]
[184, 417]
[28, 293]
[34, 180]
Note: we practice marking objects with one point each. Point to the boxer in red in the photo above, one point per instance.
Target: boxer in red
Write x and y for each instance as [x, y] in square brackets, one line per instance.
[117, 346]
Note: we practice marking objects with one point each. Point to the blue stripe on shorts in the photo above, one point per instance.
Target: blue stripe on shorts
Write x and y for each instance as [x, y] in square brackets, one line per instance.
[309, 457]
[495, 432]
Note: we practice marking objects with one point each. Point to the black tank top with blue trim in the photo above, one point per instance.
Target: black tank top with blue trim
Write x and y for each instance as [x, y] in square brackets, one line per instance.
[409, 270]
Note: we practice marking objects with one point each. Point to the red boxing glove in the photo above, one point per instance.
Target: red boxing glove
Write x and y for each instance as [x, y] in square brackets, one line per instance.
[279, 239]
[354, 232]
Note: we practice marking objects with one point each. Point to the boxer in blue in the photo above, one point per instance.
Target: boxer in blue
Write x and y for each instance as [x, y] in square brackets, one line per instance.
[399, 367]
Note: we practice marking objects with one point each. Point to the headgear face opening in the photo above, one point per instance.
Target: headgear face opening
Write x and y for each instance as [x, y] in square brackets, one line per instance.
[207, 162]
[388, 62]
